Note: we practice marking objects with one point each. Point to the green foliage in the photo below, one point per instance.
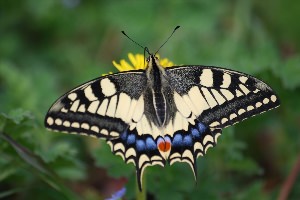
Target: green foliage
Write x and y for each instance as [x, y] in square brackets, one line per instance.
[49, 47]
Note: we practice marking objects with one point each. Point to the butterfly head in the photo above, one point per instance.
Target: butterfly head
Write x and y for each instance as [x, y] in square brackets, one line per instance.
[152, 60]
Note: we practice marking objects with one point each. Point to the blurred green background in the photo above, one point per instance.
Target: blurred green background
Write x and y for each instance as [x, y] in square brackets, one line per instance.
[48, 47]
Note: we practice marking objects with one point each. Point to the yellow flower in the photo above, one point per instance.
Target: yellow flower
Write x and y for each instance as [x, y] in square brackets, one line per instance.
[137, 61]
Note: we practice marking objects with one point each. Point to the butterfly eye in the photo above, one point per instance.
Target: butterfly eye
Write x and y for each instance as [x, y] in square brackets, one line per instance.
[148, 59]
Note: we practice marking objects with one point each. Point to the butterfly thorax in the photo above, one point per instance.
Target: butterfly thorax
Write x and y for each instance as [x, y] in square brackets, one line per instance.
[157, 86]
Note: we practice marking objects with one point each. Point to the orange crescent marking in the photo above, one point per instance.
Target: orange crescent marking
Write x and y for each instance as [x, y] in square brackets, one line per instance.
[164, 146]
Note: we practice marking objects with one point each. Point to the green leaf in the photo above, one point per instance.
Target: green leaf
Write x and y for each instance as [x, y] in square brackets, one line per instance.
[37, 163]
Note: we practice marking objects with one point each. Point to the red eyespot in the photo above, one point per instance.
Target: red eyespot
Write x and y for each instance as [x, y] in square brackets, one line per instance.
[164, 145]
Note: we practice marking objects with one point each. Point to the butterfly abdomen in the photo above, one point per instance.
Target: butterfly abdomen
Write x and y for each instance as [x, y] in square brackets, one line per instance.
[156, 83]
[159, 103]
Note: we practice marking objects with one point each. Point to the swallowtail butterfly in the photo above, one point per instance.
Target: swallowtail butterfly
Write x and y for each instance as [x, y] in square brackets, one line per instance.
[158, 115]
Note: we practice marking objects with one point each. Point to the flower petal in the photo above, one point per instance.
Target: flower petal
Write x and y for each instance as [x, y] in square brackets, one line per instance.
[126, 66]
[132, 59]
[118, 66]
[137, 61]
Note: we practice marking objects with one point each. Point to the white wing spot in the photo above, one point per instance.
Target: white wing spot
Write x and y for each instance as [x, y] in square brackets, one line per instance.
[217, 136]
[256, 90]
[131, 110]
[226, 80]
[89, 93]
[216, 123]
[130, 152]
[139, 109]
[64, 110]
[119, 146]
[208, 138]
[224, 120]
[188, 154]
[243, 79]
[95, 129]
[181, 105]
[110, 144]
[50, 121]
[228, 95]
[232, 116]
[58, 122]
[175, 154]
[238, 93]
[206, 78]
[197, 145]
[199, 154]
[81, 108]
[244, 89]
[104, 132]
[207, 147]
[250, 108]
[120, 154]
[114, 134]
[258, 104]
[93, 106]
[195, 101]
[123, 107]
[66, 124]
[218, 96]
[209, 98]
[108, 87]
[111, 110]
[266, 100]
[273, 98]
[72, 96]
[102, 109]
[75, 124]
[85, 126]
[142, 160]
[190, 104]
[74, 106]
[241, 111]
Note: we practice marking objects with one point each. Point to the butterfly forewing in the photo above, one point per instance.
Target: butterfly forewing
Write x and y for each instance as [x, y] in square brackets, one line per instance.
[221, 97]
[99, 107]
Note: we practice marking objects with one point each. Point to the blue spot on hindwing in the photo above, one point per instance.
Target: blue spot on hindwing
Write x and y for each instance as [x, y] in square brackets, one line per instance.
[187, 140]
[195, 133]
[177, 140]
[201, 127]
[140, 145]
[131, 139]
[150, 144]
[124, 136]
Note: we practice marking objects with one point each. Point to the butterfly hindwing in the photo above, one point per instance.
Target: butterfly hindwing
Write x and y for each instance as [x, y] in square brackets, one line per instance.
[139, 149]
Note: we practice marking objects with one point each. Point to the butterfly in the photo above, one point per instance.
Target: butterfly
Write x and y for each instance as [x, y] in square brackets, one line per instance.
[161, 115]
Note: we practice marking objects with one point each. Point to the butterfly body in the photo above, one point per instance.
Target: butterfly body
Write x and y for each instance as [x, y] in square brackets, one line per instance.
[158, 115]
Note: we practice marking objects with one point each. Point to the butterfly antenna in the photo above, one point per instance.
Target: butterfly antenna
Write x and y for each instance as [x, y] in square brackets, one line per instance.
[145, 48]
[177, 27]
